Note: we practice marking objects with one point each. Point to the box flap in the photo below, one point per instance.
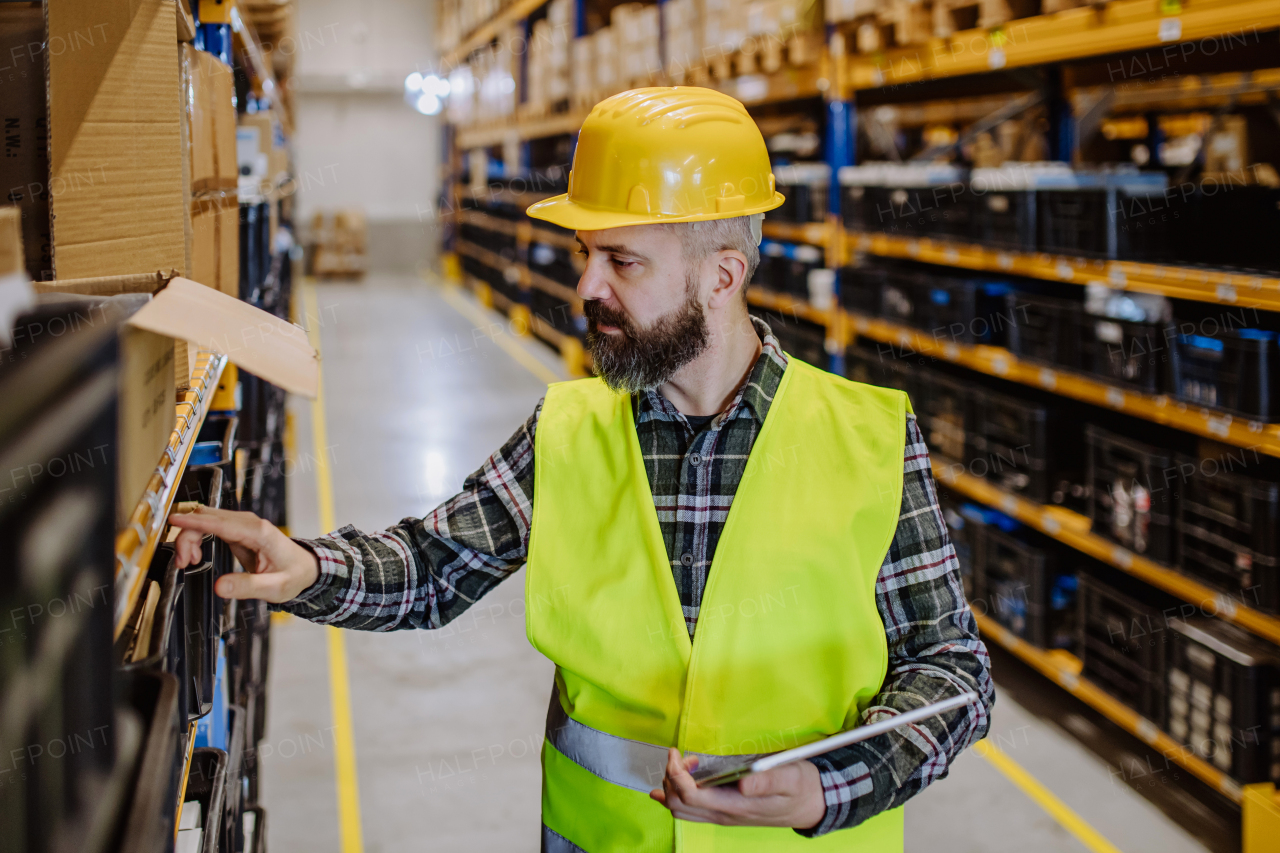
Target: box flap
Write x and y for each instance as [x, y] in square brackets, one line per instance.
[259, 342]
[108, 285]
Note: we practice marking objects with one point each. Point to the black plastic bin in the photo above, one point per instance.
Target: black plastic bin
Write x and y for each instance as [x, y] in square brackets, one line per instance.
[1235, 225]
[1047, 329]
[1136, 354]
[207, 785]
[799, 337]
[1233, 371]
[941, 404]
[1228, 528]
[1133, 493]
[1003, 203]
[878, 364]
[1008, 443]
[1020, 583]
[149, 815]
[860, 288]
[805, 187]
[1123, 644]
[1224, 698]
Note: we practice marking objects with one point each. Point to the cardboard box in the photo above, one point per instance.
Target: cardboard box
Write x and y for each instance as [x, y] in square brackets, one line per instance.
[263, 130]
[115, 185]
[215, 244]
[24, 168]
[198, 106]
[144, 382]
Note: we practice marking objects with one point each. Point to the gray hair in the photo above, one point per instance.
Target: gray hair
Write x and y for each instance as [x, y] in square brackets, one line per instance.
[740, 233]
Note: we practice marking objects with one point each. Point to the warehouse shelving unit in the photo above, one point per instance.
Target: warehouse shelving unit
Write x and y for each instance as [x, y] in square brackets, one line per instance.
[1096, 32]
[137, 542]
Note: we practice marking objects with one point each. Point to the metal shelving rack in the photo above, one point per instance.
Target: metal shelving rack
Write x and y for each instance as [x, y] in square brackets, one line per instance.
[1090, 31]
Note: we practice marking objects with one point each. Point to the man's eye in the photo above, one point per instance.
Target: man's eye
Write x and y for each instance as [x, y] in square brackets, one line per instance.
[622, 263]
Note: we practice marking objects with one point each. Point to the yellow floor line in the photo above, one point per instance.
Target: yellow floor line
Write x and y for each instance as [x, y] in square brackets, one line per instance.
[483, 320]
[344, 755]
[1058, 810]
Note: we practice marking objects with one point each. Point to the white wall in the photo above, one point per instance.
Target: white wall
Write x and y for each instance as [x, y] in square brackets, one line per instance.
[357, 143]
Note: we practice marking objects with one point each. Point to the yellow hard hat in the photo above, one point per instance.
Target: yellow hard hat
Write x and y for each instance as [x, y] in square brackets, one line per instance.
[668, 154]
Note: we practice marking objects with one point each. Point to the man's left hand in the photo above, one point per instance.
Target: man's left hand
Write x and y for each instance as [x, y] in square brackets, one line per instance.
[790, 796]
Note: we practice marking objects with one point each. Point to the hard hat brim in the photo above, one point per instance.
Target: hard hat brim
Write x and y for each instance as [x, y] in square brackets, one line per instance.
[561, 210]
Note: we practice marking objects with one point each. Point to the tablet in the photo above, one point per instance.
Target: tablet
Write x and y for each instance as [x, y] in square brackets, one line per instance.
[710, 772]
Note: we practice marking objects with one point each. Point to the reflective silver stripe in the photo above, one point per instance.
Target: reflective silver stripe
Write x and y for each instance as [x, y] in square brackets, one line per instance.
[554, 842]
[628, 763]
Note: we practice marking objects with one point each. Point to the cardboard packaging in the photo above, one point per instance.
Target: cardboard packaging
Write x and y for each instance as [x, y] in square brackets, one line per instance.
[115, 113]
[215, 242]
[159, 310]
[24, 168]
[263, 130]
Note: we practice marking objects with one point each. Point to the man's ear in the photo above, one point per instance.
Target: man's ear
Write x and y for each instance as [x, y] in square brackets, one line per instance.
[731, 274]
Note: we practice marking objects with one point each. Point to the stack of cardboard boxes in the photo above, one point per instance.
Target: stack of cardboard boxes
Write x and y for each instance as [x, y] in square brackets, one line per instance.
[550, 81]
[340, 244]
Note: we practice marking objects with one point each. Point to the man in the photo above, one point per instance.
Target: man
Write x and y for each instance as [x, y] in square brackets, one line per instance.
[731, 552]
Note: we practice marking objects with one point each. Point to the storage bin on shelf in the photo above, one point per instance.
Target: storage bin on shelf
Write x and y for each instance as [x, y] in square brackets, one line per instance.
[1047, 329]
[204, 809]
[148, 820]
[1127, 338]
[1123, 644]
[879, 364]
[1008, 443]
[1133, 490]
[906, 199]
[1228, 527]
[942, 407]
[1233, 370]
[805, 186]
[1079, 212]
[799, 337]
[1020, 581]
[1224, 698]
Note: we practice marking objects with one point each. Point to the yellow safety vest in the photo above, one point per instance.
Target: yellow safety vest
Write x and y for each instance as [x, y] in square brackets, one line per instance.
[789, 646]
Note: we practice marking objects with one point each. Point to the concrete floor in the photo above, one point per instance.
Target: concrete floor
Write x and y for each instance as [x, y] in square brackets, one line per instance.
[448, 725]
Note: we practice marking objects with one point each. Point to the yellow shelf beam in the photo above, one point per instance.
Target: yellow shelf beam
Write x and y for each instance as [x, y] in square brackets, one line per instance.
[527, 278]
[523, 230]
[1222, 288]
[1088, 31]
[137, 542]
[1073, 530]
[1064, 669]
[994, 361]
[521, 129]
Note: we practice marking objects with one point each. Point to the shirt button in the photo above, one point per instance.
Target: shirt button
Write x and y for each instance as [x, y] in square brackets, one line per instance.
[695, 459]
[686, 559]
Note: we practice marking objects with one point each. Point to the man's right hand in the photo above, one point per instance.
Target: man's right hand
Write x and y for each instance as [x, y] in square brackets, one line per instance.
[277, 569]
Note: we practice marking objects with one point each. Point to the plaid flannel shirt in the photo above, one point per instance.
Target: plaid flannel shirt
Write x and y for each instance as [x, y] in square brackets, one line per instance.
[424, 572]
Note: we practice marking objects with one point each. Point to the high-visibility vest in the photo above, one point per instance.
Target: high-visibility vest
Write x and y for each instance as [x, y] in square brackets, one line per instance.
[789, 646]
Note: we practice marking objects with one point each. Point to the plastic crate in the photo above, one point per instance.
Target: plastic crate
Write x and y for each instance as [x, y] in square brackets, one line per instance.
[1234, 226]
[963, 519]
[1072, 220]
[207, 786]
[1020, 583]
[1233, 371]
[801, 258]
[1138, 355]
[942, 406]
[1123, 645]
[1008, 443]
[148, 822]
[860, 288]
[1228, 530]
[1224, 698]
[1047, 329]
[771, 273]
[804, 187]
[906, 199]
[1003, 202]
[1133, 491]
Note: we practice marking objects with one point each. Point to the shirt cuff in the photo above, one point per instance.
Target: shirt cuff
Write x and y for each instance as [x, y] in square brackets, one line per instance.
[842, 785]
[333, 571]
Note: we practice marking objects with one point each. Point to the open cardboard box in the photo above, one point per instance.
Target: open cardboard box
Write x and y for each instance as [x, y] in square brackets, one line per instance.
[205, 319]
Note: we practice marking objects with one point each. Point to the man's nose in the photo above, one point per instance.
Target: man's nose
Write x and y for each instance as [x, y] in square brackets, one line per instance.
[592, 283]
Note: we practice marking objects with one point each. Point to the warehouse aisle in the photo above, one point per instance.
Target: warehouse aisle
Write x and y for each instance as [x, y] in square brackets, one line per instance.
[448, 725]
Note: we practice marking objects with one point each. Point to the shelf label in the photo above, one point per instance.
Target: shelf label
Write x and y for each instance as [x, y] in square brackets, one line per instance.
[913, 248]
[1224, 607]
[1069, 680]
[1231, 788]
[951, 352]
[1048, 379]
[951, 256]
[1115, 398]
[1147, 730]
[1121, 557]
[1064, 271]
[1004, 260]
[1000, 365]
[1009, 504]
[1226, 293]
[1050, 524]
[1170, 29]
[1116, 276]
[1219, 426]
[996, 58]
